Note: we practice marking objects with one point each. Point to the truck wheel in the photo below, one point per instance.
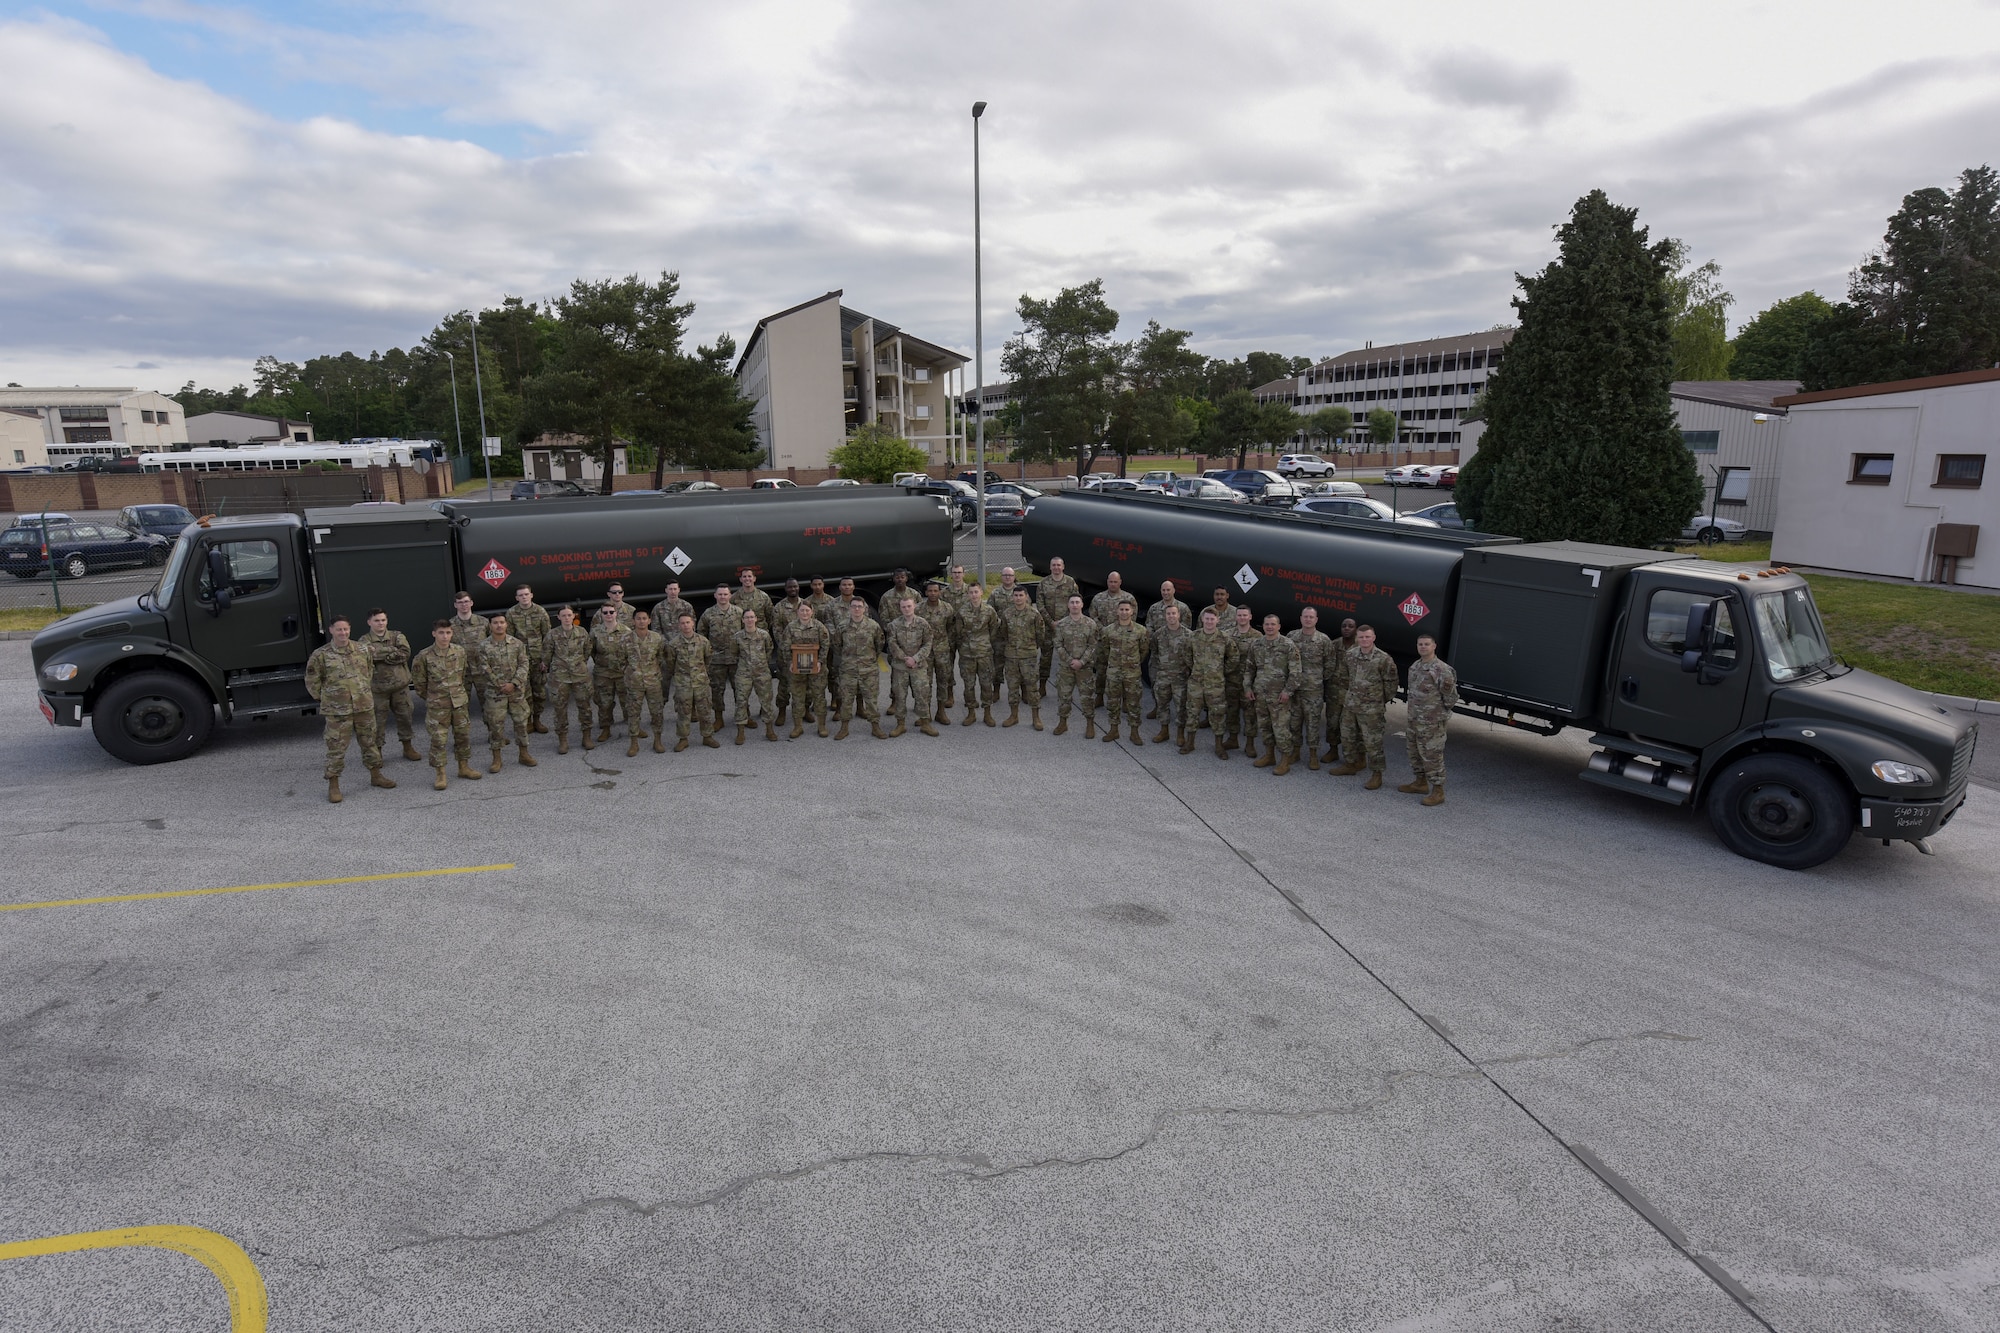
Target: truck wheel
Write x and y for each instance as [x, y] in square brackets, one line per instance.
[1782, 810]
[153, 717]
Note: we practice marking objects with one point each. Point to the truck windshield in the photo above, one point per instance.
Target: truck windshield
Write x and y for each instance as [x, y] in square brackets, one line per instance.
[170, 576]
[1794, 643]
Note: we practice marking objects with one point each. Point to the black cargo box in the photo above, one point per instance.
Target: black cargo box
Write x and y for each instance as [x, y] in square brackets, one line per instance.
[397, 558]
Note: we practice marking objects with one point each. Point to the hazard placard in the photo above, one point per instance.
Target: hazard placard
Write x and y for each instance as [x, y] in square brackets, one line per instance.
[1414, 609]
[1246, 578]
[495, 573]
[678, 560]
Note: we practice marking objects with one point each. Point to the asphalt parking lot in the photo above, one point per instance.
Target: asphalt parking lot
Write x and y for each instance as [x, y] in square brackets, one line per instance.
[995, 1031]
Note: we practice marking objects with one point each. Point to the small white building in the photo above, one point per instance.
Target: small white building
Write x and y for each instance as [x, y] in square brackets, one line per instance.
[98, 422]
[1890, 479]
[227, 428]
[566, 458]
[1733, 428]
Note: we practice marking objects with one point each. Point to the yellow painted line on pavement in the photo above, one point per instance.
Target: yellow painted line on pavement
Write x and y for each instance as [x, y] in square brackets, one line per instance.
[249, 1308]
[253, 888]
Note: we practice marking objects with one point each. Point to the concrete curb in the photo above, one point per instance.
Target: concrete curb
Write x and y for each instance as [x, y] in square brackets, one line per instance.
[18, 634]
[1982, 706]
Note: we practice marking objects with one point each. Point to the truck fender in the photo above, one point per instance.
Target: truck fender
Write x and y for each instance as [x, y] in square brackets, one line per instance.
[1847, 750]
[114, 657]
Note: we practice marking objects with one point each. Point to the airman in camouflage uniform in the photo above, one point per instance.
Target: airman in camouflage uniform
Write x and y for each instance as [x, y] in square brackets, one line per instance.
[1235, 672]
[667, 612]
[836, 625]
[977, 625]
[808, 690]
[390, 652]
[611, 645]
[749, 597]
[616, 607]
[1024, 631]
[440, 676]
[1052, 596]
[944, 642]
[1123, 649]
[1309, 703]
[692, 698]
[826, 607]
[1432, 693]
[784, 614]
[753, 677]
[530, 624]
[1208, 679]
[468, 632]
[1156, 620]
[1336, 689]
[956, 588]
[340, 675]
[860, 676]
[646, 675]
[718, 625]
[566, 659]
[1271, 680]
[1104, 610]
[1173, 643]
[1074, 641]
[907, 642]
[503, 666]
[1225, 619]
[1371, 684]
[888, 604]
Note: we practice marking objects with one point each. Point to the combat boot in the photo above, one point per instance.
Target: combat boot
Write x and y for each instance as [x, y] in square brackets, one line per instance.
[899, 727]
[604, 733]
[540, 728]
[876, 724]
[439, 784]
[496, 761]
[708, 739]
[333, 791]
[1160, 736]
[1090, 727]
[1284, 764]
[1266, 759]
[1332, 753]
[986, 714]
[822, 726]
[799, 728]
[739, 735]
[1152, 713]
[659, 741]
[927, 728]
[1221, 750]
[1187, 742]
[410, 752]
[1228, 744]
[527, 760]
[1437, 795]
[1312, 757]
[971, 714]
[1346, 770]
[1374, 780]
[1132, 729]
[639, 732]
[1036, 713]
[771, 730]
[1249, 747]
[468, 772]
[588, 743]
[1013, 717]
[841, 735]
[1415, 786]
[1062, 725]
[376, 779]
[1110, 732]
[632, 746]
[562, 742]
[680, 745]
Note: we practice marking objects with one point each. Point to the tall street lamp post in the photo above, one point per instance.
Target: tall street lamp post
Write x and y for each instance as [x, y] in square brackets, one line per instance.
[457, 426]
[978, 350]
[480, 391]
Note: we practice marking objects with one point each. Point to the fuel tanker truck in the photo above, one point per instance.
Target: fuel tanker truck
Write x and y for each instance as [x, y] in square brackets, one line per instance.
[242, 601]
[1701, 683]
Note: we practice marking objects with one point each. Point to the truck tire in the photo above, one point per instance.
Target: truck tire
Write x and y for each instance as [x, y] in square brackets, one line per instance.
[1782, 810]
[152, 717]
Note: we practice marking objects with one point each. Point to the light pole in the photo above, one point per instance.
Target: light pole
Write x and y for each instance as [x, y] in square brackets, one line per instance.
[480, 390]
[978, 349]
[457, 427]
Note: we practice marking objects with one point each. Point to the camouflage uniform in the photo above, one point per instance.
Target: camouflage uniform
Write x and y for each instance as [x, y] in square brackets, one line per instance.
[1122, 648]
[343, 681]
[1309, 701]
[624, 614]
[1235, 670]
[954, 593]
[944, 640]
[1272, 670]
[976, 629]
[860, 676]
[808, 691]
[719, 625]
[1002, 598]
[886, 606]
[1208, 682]
[1172, 648]
[784, 614]
[753, 677]
[667, 613]
[1432, 693]
[755, 599]
[692, 697]
[1156, 620]
[611, 645]
[468, 632]
[530, 624]
[823, 605]
[390, 652]
[1104, 610]
[1075, 640]
[1052, 596]
[1336, 694]
[566, 659]
[1371, 684]
[1024, 632]
[905, 639]
[440, 676]
[646, 674]
[505, 662]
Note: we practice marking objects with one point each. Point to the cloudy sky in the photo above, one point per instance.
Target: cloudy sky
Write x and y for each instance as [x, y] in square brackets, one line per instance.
[189, 185]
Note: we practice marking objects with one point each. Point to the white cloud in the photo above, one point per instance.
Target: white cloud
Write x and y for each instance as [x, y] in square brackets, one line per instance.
[1295, 176]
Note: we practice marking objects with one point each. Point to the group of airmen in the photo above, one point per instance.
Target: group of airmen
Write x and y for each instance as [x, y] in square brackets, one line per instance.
[817, 657]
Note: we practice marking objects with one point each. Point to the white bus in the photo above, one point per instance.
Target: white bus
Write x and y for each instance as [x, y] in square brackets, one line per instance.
[285, 457]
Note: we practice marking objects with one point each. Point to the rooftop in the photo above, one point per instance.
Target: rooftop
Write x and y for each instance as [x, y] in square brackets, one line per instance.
[1892, 386]
[1752, 395]
[75, 395]
[1464, 342]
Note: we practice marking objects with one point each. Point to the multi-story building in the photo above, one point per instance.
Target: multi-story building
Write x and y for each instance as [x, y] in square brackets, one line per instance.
[819, 371]
[1428, 385]
[104, 423]
[227, 428]
[1734, 428]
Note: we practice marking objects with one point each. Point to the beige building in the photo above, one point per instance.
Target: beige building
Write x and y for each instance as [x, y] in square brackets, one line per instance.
[21, 439]
[104, 423]
[226, 428]
[819, 371]
[566, 458]
[1428, 385]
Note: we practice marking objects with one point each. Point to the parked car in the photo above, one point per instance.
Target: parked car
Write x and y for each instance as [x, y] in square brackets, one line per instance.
[1114, 484]
[160, 520]
[840, 481]
[1444, 515]
[1005, 512]
[1089, 477]
[1163, 478]
[908, 478]
[620, 495]
[1448, 477]
[774, 484]
[971, 477]
[1020, 488]
[77, 549]
[1304, 465]
[1262, 485]
[964, 500]
[1406, 475]
[1349, 507]
[691, 488]
[530, 489]
[1708, 529]
[1332, 488]
[1208, 488]
[36, 520]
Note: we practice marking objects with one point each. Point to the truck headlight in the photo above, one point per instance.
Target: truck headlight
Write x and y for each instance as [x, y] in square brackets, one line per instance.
[1900, 774]
[61, 671]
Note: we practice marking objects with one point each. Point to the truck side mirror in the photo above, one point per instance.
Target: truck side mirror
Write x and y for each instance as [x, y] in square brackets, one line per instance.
[218, 580]
[1695, 643]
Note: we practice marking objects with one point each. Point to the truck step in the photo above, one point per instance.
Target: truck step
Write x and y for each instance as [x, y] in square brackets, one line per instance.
[1672, 755]
[1627, 773]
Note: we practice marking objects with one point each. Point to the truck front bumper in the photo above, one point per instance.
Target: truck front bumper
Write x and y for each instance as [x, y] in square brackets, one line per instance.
[1908, 821]
[62, 710]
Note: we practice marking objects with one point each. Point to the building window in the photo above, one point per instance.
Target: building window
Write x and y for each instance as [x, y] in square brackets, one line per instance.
[1964, 471]
[84, 413]
[20, 455]
[1872, 469]
[85, 434]
[1702, 441]
[1733, 488]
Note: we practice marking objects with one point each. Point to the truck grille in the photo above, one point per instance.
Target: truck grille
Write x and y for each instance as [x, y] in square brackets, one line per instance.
[1961, 758]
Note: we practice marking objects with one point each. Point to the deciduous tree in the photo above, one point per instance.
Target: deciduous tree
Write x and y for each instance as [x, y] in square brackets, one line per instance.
[1065, 368]
[1772, 346]
[874, 453]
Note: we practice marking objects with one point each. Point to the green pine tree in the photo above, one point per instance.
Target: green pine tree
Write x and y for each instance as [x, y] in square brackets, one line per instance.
[1580, 441]
[1772, 346]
